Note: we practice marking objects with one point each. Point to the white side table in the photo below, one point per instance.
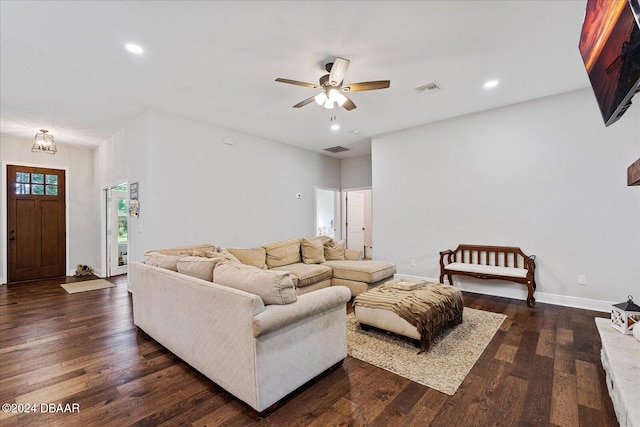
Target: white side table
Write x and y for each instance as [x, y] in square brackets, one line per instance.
[621, 362]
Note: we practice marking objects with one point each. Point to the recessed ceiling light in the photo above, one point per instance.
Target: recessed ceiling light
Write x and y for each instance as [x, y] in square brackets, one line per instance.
[355, 131]
[491, 84]
[134, 48]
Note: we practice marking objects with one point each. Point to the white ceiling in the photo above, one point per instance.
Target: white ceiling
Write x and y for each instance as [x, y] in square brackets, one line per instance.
[63, 65]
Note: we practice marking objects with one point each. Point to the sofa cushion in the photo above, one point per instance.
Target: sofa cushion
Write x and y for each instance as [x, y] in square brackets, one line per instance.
[168, 258]
[253, 256]
[274, 287]
[157, 259]
[361, 271]
[306, 274]
[193, 250]
[312, 251]
[200, 267]
[282, 253]
[334, 251]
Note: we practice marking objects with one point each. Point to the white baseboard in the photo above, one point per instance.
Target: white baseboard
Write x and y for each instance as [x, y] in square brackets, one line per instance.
[563, 300]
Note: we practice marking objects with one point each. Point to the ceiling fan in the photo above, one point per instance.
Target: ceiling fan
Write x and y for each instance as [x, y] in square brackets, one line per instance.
[332, 86]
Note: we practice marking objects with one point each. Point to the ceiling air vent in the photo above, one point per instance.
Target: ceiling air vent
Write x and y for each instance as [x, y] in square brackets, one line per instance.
[336, 149]
[429, 88]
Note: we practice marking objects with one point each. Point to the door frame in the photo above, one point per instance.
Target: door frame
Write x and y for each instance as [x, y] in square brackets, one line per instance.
[5, 261]
[105, 221]
[104, 267]
[337, 220]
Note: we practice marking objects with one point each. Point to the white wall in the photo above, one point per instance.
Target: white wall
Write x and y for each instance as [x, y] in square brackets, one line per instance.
[544, 175]
[83, 217]
[196, 189]
[356, 172]
[124, 158]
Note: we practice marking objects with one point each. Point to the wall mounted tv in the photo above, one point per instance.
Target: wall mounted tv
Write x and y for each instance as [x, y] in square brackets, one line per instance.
[610, 48]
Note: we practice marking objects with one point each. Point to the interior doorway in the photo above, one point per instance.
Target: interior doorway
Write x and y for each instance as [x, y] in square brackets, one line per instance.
[328, 213]
[36, 223]
[117, 230]
[358, 224]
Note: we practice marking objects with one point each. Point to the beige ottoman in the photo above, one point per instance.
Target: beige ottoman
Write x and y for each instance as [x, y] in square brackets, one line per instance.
[420, 314]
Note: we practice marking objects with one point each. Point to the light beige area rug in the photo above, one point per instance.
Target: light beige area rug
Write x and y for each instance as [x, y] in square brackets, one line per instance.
[87, 285]
[447, 363]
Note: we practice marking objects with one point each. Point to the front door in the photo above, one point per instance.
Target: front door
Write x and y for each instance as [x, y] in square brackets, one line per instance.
[36, 225]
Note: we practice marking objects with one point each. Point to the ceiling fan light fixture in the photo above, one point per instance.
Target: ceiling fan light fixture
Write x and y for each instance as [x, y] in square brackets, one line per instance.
[337, 97]
[328, 104]
[320, 98]
[44, 143]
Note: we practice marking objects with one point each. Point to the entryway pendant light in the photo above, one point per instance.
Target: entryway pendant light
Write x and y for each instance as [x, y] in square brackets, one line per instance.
[44, 143]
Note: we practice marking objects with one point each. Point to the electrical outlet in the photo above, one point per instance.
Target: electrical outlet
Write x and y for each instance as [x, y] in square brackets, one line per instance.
[413, 263]
[582, 279]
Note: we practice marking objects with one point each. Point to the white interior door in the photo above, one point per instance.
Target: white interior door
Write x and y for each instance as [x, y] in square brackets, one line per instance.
[355, 221]
[117, 232]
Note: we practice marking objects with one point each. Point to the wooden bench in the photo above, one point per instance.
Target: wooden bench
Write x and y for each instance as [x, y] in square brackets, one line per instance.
[490, 262]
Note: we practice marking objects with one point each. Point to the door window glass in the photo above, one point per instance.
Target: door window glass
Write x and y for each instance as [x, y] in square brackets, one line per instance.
[34, 183]
[23, 189]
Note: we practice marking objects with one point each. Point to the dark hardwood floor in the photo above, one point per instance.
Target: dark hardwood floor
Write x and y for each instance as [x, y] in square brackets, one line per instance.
[542, 368]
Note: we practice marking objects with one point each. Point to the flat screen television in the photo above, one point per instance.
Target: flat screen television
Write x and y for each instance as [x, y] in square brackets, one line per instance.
[610, 48]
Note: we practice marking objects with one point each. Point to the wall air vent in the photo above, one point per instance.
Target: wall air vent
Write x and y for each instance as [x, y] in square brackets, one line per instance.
[429, 88]
[336, 149]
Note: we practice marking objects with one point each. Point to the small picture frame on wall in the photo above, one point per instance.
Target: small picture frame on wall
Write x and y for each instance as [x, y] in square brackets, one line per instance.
[134, 208]
[134, 203]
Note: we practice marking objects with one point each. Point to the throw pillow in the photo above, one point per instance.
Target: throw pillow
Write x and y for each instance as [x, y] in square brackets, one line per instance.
[254, 256]
[227, 255]
[274, 287]
[282, 253]
[156, 259]
[326, 240]
[335, 252]
[312, 251]
[200, 267]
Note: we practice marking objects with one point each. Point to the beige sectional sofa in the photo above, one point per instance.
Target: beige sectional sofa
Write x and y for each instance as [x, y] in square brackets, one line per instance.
[259, 322]
[251, 334]
[316, 263]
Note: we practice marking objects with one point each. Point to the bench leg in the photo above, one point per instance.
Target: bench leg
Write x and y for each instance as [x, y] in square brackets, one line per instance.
[531, 301]
[450, 279]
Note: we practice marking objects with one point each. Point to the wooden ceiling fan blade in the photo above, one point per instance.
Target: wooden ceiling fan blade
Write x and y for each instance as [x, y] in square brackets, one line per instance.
[305, 102]
[359, 87]
[298, 83]
[338, 71]
[348, 105]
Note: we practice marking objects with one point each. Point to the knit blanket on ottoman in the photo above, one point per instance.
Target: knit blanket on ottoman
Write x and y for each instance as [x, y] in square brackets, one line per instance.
[431, 308]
